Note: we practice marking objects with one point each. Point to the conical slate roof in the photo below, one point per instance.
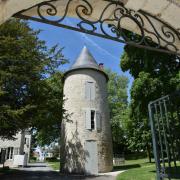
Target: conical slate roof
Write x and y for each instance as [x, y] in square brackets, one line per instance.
[85, 61]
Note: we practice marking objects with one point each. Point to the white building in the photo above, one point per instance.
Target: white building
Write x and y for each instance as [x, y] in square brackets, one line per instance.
[86, 134]
[9, 149]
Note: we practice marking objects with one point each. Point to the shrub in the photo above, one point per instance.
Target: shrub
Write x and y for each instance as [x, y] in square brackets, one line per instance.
[51, 159]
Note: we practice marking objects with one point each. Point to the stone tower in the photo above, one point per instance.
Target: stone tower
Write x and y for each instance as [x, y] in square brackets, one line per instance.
[86, 134]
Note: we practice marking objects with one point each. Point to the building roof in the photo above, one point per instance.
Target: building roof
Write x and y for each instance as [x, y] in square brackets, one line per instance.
[85, 61]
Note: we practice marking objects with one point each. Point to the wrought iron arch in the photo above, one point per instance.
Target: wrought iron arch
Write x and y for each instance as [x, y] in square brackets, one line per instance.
[163, 38]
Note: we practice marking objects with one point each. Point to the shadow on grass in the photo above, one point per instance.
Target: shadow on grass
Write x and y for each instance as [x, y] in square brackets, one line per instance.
[154, 171]
[126, 167]
[173, 172]
[6, 170]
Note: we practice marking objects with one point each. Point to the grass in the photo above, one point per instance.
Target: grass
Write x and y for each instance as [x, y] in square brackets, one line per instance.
[55, 165]
[6, 170]
[137, 170]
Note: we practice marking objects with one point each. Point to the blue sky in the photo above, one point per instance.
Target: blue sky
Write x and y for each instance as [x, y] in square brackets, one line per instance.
[103, 50]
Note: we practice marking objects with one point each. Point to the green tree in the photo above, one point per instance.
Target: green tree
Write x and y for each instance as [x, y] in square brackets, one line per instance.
[50, 111]
[118, 105]
[25, 63]
[155, 74]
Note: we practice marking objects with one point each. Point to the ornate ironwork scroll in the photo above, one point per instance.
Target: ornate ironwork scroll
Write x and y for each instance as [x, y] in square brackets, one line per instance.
[150, 32]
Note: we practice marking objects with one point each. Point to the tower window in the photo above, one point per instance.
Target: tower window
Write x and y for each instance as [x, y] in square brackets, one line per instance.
[89, 90]
[92, 119]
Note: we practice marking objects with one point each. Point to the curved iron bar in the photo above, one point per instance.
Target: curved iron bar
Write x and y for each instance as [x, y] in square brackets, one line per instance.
[168, 34]
[111, 27]
[51, 11]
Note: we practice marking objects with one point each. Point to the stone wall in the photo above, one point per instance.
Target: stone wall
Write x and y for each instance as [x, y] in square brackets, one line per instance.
[10, 7]
[74, 128]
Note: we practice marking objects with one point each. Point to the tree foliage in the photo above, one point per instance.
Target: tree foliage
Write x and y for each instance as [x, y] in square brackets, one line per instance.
[25, 63]
[118, 105]
[50, 111]
[155, 74]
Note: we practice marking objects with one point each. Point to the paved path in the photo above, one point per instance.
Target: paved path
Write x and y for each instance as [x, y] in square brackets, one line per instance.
[36, 167]
[41, 171]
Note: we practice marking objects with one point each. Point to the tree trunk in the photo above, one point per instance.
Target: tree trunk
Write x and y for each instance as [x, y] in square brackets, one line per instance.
[148, 150]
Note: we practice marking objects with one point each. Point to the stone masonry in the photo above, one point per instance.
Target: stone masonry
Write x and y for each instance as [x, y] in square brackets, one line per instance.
[73, 128]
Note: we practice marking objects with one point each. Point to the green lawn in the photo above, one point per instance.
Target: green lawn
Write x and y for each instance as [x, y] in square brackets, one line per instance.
[137, 170]
[55, 165]
[6, 170]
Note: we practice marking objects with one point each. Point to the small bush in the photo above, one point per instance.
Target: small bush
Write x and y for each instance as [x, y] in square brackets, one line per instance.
[135, 156]
[51, 159]
[33, 159]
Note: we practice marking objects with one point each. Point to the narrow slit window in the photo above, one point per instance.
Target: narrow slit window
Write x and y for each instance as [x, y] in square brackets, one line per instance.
[92, 119]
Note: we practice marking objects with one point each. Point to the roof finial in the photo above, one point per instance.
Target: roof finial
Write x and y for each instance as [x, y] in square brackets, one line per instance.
[85, 44]
[84, 41]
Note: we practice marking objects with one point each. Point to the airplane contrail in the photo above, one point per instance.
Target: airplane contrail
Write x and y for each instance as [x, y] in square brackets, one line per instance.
[84, 36]
[97, 46]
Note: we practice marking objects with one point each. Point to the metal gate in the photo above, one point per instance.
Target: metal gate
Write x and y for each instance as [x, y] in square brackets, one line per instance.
[164, 114]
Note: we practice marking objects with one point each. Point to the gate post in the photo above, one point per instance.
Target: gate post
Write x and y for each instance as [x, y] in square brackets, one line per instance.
[154, 140]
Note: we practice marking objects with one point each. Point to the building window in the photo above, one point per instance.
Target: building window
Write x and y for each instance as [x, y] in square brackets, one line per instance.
[26, 141]
[92, 120]
[16, 151]
[89, 90]
[10, 152]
